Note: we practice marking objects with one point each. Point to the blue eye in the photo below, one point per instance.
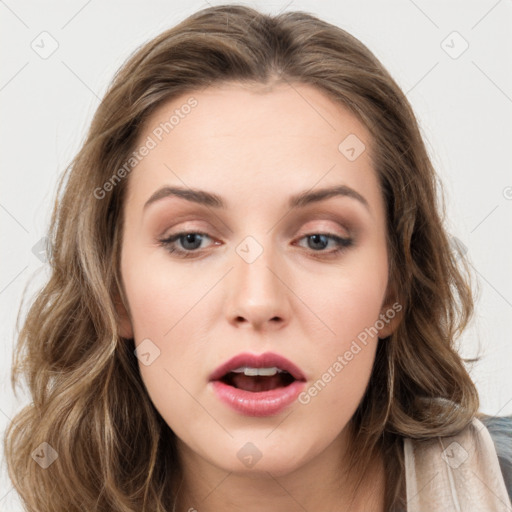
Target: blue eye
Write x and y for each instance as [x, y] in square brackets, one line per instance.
[191, 242]
[321, 240]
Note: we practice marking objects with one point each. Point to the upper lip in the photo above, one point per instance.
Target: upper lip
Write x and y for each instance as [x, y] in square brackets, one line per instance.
[265, 360]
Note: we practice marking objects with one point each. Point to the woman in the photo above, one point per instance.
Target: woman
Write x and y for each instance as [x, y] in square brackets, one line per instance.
[199, 346]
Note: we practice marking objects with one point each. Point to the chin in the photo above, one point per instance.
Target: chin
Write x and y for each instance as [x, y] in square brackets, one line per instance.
[260, 457]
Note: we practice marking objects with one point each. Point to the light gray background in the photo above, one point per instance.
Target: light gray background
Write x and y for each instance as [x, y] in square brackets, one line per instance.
[464, 106]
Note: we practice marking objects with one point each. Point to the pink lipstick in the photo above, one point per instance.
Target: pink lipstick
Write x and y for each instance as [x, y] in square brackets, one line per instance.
[258, 384]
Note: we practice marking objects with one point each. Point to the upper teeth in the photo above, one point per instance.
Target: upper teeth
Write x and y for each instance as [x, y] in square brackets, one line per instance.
[246, 370]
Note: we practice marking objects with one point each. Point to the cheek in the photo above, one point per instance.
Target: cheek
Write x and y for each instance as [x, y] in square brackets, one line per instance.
[350, 302]
[169, 311]
[160, 297]
[344, 354]
[342, 362]
[354, 308]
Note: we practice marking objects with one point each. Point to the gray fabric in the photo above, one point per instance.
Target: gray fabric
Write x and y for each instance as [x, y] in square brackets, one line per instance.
[500, 428]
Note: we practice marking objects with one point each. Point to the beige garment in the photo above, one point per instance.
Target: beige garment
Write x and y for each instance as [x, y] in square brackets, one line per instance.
[455, 474]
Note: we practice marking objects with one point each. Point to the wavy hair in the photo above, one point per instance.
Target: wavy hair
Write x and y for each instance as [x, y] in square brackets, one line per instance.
[89, 403]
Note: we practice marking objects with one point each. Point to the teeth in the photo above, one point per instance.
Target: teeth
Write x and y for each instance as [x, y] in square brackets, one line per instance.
[252, 372]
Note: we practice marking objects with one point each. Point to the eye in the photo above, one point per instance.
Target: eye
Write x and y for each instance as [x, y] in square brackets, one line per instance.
[190, 240]
[319, 241]
[191, 243]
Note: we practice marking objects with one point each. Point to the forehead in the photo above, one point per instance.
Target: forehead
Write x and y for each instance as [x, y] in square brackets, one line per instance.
[254, 110]
[252, 137]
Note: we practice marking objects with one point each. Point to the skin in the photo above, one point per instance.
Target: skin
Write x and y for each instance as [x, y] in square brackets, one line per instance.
[255, 147]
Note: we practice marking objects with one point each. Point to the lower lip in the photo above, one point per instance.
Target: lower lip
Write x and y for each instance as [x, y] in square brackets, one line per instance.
[263, 403]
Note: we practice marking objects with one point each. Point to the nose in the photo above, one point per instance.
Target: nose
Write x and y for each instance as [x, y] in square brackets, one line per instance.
[258, 296]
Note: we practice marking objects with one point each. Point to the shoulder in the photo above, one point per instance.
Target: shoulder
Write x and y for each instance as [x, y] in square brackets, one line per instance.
[500, 429]
[488, 436]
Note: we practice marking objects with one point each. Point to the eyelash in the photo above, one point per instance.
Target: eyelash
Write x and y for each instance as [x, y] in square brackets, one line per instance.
[343, 244]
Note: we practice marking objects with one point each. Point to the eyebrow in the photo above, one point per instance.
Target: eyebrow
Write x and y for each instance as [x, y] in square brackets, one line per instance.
[300, 200]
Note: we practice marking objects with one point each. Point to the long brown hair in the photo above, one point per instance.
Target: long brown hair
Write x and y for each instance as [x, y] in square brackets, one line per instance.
[115, 452]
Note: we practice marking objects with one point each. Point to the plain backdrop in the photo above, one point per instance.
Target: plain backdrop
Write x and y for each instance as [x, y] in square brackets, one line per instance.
[452, 58]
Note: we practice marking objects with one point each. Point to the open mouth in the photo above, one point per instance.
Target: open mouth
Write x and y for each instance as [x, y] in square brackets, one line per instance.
[256, 380]
[258, 384]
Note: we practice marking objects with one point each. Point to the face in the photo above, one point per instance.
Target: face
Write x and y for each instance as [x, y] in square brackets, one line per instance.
[304, 281]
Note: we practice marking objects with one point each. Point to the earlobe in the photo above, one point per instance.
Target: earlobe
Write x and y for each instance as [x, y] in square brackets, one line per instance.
[390, 324]
[390, 315]
[123, 318]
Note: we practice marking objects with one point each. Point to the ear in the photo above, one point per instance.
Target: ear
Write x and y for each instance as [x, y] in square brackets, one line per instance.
[391, 313]
[124, 322]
